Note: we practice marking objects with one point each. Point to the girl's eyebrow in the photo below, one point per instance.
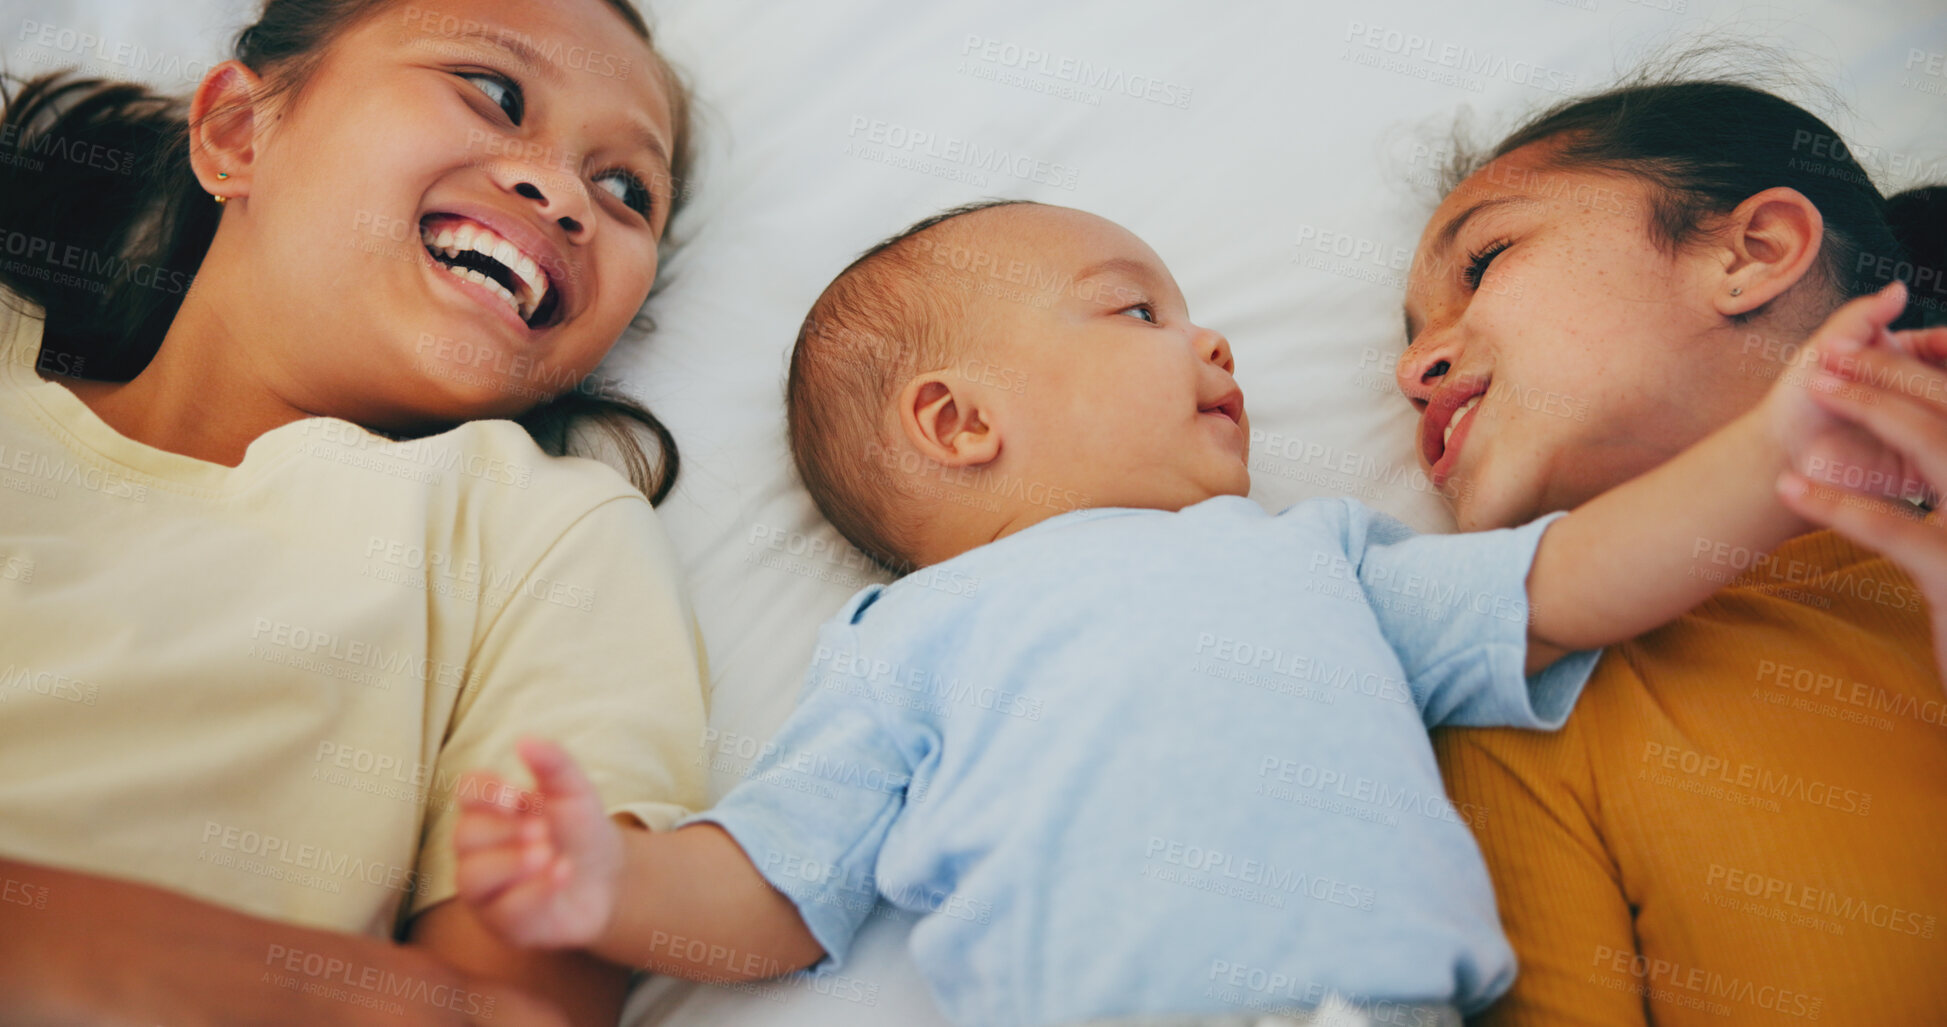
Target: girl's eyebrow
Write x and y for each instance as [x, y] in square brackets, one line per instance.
[649, 140]
[1452, 228]
[519, 49]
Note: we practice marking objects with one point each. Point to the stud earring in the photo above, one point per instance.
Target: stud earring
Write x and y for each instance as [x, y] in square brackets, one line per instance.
[220, 176]
[1736, 291]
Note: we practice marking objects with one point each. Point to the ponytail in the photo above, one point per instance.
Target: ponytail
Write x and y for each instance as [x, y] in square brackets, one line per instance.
[104, 224]
[1919, 219]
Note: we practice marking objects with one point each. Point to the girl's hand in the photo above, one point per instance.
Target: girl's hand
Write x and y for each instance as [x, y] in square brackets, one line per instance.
[1898, 394]
[1814, 437]
[86, 949]
[542, 869]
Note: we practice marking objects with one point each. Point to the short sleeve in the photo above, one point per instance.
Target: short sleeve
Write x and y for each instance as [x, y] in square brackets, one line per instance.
[596, 649]
[1455, 609]
[817, 806]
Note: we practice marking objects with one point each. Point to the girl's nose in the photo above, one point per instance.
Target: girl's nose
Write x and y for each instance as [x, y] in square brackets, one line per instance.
[1420, 370]
[568, 222]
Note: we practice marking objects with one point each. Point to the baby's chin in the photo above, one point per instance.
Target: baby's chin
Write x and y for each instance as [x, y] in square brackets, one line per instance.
[1237, 479]
[1236, 483]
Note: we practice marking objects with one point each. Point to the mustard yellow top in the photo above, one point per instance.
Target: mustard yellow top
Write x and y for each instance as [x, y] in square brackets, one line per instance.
[1744, 820]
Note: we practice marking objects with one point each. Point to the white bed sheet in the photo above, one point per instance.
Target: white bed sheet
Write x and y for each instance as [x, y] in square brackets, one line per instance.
[1276, 154]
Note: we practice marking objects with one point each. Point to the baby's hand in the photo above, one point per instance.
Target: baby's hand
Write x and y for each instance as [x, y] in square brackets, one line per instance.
[1810, 434]
[542, 869]
[1898, 395]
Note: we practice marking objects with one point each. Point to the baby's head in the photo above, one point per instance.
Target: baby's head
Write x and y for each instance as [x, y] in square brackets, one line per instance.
[999, 364]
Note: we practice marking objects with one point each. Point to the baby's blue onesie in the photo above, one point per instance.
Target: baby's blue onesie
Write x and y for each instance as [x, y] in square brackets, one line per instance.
[1139, 762]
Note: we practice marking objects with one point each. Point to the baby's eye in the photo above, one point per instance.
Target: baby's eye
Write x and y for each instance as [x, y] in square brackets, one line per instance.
[625, 186]
[503, 91]
[1142, 311]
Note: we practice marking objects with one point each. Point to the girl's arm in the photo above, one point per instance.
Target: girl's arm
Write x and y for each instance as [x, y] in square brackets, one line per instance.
[551, 870]
[1644, 552]
[590, 990]
[1566, 912]
[80, 949]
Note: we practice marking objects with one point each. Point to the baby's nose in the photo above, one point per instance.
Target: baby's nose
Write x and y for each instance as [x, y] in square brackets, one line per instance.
[1213, 347]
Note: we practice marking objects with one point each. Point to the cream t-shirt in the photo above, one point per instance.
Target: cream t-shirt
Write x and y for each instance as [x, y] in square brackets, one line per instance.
[260, 685]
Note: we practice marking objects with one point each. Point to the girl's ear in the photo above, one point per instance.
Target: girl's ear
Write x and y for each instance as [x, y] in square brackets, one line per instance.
[943, 418]
[223, 129]
[1769, 242]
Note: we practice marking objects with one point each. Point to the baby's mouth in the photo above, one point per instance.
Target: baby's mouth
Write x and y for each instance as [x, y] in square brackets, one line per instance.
[1230, 405]
[471, 250]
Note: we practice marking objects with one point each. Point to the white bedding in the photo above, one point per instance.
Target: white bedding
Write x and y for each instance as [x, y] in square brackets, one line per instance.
[1274, 153]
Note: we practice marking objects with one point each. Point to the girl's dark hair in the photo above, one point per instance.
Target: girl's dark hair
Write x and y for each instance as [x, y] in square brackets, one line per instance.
[113, 225]
[1708, 144]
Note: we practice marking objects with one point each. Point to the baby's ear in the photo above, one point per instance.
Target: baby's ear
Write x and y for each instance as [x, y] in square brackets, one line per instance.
[944, 417]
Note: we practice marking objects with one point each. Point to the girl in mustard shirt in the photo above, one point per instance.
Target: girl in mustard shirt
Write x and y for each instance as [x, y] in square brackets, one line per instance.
[1741, 821]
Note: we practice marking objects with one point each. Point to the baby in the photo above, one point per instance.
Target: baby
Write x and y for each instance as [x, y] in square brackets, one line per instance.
[1130, 746]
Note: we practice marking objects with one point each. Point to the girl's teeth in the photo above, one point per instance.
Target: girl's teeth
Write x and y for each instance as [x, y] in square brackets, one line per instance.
[451, 241]
[1454, 421]
[480, 279]
[505, 252]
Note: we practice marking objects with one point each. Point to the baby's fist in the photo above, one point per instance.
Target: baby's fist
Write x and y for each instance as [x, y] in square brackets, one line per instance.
[541, 869]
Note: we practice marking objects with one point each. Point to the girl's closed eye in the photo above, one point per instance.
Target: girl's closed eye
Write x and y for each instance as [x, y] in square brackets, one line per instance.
[1478, 261]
